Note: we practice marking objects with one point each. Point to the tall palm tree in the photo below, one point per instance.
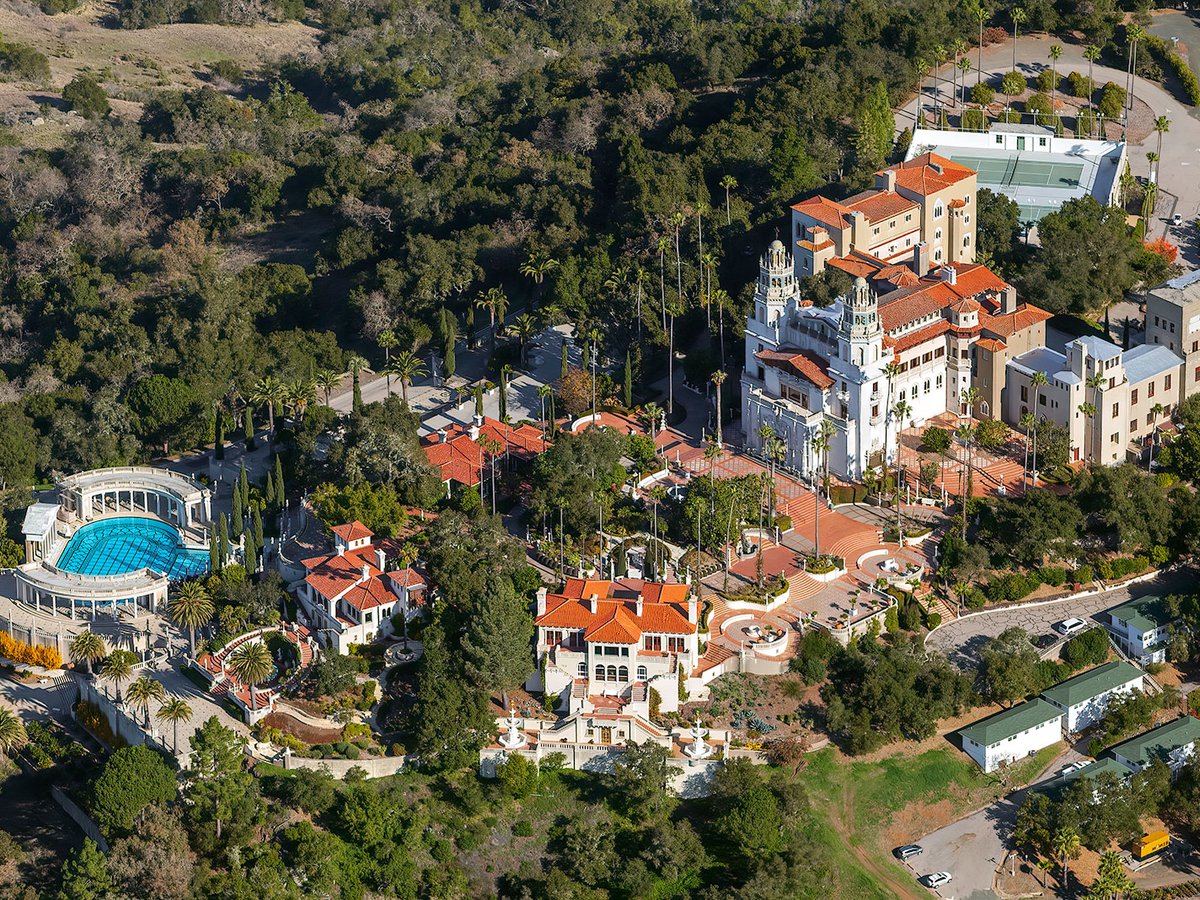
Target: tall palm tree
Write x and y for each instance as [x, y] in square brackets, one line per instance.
[300, 393]
[675, 309]
[1095, 381]
[117, 668]
[1133, 36]
[251, 664]
[1065, 845]
[718, 379]
[491, 448]
[407, 366]
[12, 732]
[174, 710]
[1037, 381]
[87, 647]
[1091, 53]
[1156, 410]
[981, 14]
[663, 245]
[191, 608]
[1055, 53]
[957, 47]
[495, 301]
[387, 340]
[821, 445]
[1152, 159]
[766, 433]
[728, 182]
[1161, 126]
[891, 370]
[902, 411]
[966, 434]
[964, 66]
[1028, 423]
[677, 223]
[652, 412]
[776, 451]
[545, 392]
[939, 59]
[268, 392]
[921, 66]
[524, 328]
[142, 692]
[327, 380]
[1088, 411]
[1018, 16]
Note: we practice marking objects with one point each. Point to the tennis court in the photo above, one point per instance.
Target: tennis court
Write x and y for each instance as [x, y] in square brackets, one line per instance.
[1018, 171]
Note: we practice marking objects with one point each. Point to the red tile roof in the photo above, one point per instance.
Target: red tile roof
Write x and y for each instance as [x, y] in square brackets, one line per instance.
[826, 211]
[330, 575]
[921, 174]
[1007, 324]
[920, 336]
[934, 293]
[801, 363]
[457, 459]
[967, 305]
[458, 456]
[991, 345]
[878, 205]
[615, 619]
[352, 532]
[369, 595]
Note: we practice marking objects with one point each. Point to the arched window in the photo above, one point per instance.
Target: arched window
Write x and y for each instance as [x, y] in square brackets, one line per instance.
[937, 254]
[937, 235]
[641, 673]
[612, 673]
[599, 673]
[582, 670]
[938, 210]
[966, 240]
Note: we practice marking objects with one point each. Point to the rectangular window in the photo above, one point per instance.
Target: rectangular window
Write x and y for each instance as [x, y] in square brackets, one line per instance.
[927, 386]
[653, 642]
[1167, 382]
[1133, 397]
[1149, 418]
[1025, 392]
[1041, 399]
[875, 413]
[1116, 438]
[1116, 410]
[1150, 390]
[676, 644]
[1133, 426]
[962, 354]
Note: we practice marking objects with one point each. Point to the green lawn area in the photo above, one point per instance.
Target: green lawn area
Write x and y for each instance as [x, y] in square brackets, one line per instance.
[858, 800]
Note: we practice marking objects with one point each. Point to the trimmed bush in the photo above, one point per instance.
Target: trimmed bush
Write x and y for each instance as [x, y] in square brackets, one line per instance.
[1084, 574]
[1045, 80]
[1055, 576]
[974, 120]
[1079, 86]
[1039, 107]
[1112, 101]
[1011, 587]
[983, 94]
[1162, 49]
[1087, 649]
[1013, 83]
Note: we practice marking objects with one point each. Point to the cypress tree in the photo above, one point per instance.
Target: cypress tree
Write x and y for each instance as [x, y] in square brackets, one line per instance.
[503, 396]
[470, 326]
[357, 404]
[280, 496]
[250, 445]
[479, 401]
[219, 443]
[586, 352]
[214, 561]
[250, 553]
[269, 491]
[563, 368]
[237, 517]
[628, 381]
[222, 541]
[449, 363]
[244, 487]
[257, 527]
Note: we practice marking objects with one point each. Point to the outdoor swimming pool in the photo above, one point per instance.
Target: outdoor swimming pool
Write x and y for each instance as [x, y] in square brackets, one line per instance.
[129, 543]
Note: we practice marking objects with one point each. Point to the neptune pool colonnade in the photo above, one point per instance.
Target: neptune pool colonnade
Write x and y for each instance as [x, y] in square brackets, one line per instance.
[172, 497]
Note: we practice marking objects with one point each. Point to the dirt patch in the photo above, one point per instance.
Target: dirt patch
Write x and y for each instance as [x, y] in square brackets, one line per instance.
[302, 730]
[918, 819]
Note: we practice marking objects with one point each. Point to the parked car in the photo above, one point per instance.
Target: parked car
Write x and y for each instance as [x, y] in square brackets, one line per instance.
[1177, 220]
[1071, 767]
[1070, 626]
[1042, 641]
[908, 851]
[935, 880]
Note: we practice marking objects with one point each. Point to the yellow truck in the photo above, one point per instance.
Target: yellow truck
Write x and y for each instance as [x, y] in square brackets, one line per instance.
[1149, 844]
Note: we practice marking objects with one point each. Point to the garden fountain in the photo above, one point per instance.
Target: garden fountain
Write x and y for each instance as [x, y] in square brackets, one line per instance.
[512, 739]
[697, 749]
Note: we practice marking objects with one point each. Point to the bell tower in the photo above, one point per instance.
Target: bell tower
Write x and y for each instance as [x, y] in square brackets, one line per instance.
[860, 334]
[776, 284]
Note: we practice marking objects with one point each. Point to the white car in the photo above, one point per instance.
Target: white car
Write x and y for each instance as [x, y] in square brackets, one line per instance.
[1071, 767]
[935, 880]
[1070, 626]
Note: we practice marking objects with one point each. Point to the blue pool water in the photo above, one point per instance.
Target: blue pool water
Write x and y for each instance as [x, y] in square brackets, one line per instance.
[128, 543]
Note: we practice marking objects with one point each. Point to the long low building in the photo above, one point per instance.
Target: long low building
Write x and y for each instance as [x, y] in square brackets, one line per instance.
[1013, 734]
[1084, 698]
[1172, 743]
[1054, 787]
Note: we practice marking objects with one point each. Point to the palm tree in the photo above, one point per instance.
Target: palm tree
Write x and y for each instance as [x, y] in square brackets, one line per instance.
[677, 222]
[87, 647]
[269, 392]
[674, 310]
[327, 380]
[664, 244]
[118, 667]
[174, 710]
[524, 328]
[407, 366]
[966, 434]
[776, 451]
[1133, 35]
[728, 182]
[1161, 126]
[922, 69]
[300, 393]
[251, 664]
[1091, 53]
[1065, 845]
[1156, 410]
[1018, 16]
[964, 66]
[545, 392]
[821, 445]
[652, 412]
[12, 732]
[957, 47]
[492, 448]
[902, 411]
[191, 608]
[718, 378]
[766, 434]
[1152, 159]
[891, 370]
[142, 692]
[495, 301]
[1095, 381]
[1055, 53]
[939, 59]
[1088, 410]
[387, 340]
[355, 364]
[1028, 422]
[538, 264]
[1037, 381]
[1112, 880]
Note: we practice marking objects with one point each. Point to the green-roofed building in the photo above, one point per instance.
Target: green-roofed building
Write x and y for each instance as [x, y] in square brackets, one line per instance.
[1013, 733]
[1084, 698]
[1054, 787]
[1141, 628]
[1173, 743]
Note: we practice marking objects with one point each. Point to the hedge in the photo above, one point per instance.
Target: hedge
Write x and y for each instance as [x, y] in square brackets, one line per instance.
[1163, 49]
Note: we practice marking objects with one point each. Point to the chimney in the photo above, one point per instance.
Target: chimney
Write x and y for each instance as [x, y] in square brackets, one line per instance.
[1008, 299]
[476, 425]
[638, 605]
[692, 617]
[366, 573]
[921, 259]
[858, 229]
[949, 274]
[541, 601]
[380, 559]
[443, 435]
[937, 167]
[886, 180]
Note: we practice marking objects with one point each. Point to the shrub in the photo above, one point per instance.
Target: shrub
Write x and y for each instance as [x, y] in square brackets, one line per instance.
[1045, 80]
[1013, 83]
[783, 523]
[20, 652]
[937, 440]
[1178, 66]
[1009, 116]
[974, 598]
[523, 828]
[974, 120]
[1039, 107]
[1087, 649]
[1055, 576]
[1010, 587]
[933, 620]
[994, 34]
[982, 94]
[1085, 122]
[1078, 86]
[813, 653]
[85, 96]
[655, 703]
[1112, 101]
[228, 70]
[442, 850]
[1084, 574]
[22, 62]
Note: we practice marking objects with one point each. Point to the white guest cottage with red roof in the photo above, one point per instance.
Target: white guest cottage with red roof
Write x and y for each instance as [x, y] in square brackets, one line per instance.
[610, 642]
[351, 595]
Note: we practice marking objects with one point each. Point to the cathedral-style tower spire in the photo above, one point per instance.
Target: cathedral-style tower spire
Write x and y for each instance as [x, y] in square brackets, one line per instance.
[776, 283]
[861, 332]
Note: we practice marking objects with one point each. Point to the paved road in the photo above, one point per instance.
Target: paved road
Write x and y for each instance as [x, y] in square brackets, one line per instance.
[971, 848]
[962, 639]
